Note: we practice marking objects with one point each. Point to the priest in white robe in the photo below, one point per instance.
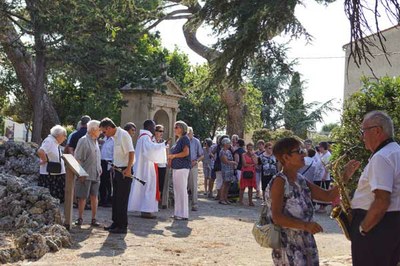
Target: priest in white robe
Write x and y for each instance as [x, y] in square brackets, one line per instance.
[144, 198]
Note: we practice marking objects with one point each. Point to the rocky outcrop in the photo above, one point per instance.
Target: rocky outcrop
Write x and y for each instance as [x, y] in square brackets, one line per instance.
[19, 159]
[30, 220]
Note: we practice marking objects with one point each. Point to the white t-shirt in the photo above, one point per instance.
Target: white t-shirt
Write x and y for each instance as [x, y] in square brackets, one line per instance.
[51, 148]
[122, 146]
[382, 172]
[325, 161]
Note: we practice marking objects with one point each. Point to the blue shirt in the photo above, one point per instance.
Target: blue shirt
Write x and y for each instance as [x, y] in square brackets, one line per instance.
[185, 162]
[196, 151]
[77, 135]
[107, 149]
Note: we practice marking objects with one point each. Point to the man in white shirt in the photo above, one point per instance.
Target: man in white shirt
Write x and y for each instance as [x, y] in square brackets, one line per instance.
[123, 157]
[144, 198]
[325, 179]
[107, 154]
[375, 229]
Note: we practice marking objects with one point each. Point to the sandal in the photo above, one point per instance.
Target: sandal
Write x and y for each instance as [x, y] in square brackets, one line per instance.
[94, 223]
[79, 221]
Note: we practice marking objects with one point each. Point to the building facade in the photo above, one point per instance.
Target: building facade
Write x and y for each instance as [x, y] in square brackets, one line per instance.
[380, 64]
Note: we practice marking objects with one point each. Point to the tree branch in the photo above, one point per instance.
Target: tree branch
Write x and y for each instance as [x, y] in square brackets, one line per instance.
[170, 16]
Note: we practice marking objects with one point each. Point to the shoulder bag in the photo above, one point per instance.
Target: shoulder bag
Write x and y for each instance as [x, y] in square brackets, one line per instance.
[54, 167]
[265, 232]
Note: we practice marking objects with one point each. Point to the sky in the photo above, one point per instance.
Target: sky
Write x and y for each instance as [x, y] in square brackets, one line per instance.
[321, 62]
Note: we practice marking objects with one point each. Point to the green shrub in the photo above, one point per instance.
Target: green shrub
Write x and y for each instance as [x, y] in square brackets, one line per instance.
[383, 95]
[271, 135]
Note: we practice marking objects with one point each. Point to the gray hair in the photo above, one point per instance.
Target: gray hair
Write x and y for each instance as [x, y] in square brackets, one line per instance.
[182, 125]
[225, 141]
[381, 119]
[93, 125]
[57, 130]
[234, 136]
[190, 130]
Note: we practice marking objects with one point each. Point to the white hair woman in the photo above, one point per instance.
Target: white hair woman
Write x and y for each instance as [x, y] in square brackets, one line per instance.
[49, 151]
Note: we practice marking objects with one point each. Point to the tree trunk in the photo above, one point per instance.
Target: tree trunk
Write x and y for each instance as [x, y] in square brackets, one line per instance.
[31, 73]
[232, 98]
[235, 117]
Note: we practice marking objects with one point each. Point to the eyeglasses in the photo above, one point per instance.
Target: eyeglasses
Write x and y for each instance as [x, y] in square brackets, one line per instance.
[298, 151]
[362, 131]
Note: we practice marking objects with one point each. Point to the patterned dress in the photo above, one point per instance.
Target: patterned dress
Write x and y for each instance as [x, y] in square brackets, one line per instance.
[298, 246]
[228, 170]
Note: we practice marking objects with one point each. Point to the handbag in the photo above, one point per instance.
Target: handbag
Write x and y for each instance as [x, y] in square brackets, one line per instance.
[265, 232]
[248, 174]
[54, 167]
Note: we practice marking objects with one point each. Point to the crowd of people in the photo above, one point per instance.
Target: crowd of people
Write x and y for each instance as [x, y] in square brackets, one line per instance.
[291, 177]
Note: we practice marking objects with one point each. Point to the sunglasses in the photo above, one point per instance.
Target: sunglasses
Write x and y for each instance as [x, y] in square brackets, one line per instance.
[161, 131]
[299, 151]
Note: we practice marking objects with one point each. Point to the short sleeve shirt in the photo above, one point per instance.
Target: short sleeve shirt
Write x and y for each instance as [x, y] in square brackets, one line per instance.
[196, 151]
[76, 136]
[382, 172]
[88, 153]
[51, 148]
[185, 162]
[122, 147]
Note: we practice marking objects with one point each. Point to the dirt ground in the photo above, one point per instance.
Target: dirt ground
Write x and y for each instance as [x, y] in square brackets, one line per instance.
[215, 234]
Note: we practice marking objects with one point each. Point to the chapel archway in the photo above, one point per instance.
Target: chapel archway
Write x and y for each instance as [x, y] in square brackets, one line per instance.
[161, 117]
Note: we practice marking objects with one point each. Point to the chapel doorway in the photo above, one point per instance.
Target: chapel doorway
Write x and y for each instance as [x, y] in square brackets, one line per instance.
[161, 117]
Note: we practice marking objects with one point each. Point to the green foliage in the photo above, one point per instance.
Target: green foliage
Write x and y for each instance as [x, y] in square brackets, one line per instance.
[271, 78]
[253, 107]
[178, 66]
[299, 116]
[271, 135]
[245, 30]
[329, 127]
[202, 108]
[317, 138]
[383, 94]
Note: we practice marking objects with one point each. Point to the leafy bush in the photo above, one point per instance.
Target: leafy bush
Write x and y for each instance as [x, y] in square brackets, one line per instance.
[271, 135]
[383, 95]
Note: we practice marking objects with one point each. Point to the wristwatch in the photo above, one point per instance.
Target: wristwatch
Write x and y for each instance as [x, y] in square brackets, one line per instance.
[362, 232]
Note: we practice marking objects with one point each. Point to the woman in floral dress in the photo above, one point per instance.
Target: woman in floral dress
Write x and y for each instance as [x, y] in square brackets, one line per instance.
[289, 197]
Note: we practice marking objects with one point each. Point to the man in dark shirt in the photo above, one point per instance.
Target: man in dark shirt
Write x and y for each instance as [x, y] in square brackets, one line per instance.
[78, 134]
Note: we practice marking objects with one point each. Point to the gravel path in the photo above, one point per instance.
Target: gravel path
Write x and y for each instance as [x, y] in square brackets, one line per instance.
[216, 234]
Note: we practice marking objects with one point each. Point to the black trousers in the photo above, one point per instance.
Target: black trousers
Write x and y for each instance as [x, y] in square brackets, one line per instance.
[381, 245]
[122, 188]
[105, 183]
[265, 179]
[325, 185]
[161, 178]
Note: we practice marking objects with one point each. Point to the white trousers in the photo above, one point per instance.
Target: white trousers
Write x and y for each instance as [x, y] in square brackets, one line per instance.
[238, 174]
[193, 176]
[218, 179]
[180, 179]
[258, 182]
